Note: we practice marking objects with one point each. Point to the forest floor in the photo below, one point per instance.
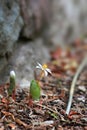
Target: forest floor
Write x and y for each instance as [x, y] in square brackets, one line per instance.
[50, 112]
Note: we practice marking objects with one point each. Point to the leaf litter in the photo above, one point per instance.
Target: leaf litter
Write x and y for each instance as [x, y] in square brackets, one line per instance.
[50, 112]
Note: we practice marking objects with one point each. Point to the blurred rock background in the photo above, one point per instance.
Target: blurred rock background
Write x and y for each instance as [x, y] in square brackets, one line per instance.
[10, 27]
[69, 20]
[30, 28]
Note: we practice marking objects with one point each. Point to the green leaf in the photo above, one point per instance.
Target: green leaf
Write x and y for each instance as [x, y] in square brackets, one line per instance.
[35, 90]
[54, 115]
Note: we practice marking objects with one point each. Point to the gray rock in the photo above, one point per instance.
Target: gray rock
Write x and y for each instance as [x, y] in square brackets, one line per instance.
[69, 21]
[36, 15]
[10, 25]
[25, 59]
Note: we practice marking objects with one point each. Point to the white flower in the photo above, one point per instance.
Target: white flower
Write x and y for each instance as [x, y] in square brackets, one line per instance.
[44, 68]
[12, 73]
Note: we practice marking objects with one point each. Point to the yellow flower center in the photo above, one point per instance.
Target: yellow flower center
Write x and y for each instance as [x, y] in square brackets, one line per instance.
[44, 66]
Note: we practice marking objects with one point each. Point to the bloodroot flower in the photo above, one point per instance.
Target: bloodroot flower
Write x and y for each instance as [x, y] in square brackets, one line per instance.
[44, 68]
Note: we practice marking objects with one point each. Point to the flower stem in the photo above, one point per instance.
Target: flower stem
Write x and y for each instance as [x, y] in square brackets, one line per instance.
[82, 65]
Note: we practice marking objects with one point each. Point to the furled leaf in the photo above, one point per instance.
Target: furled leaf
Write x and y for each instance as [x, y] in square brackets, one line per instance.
[35, 91]
[12, 83]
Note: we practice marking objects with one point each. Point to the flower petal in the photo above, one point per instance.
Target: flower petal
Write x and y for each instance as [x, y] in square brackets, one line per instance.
[45, 72]
[40, 66]
[49, 71]
[12, 73]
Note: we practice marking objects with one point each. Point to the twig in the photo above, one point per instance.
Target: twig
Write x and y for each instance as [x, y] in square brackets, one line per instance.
[54, 111]
[15, 119]
[82, 65]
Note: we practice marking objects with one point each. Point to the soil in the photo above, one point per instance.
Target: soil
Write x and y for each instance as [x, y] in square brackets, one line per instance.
[49, 113]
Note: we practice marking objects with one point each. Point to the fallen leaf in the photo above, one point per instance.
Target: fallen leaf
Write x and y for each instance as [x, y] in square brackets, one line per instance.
[72, 113]
[12, 126]
[8, 114]
[21, 122]
[15, 119]
[2, 128]
[78, 42]
[4, 100]
[57, 53]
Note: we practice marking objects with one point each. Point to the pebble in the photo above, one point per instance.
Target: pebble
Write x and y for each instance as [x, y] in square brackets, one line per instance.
[82, 88]
[81, 98]
[24, 83]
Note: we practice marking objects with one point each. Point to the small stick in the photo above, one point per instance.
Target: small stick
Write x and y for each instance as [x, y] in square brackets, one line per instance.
[54, 111]
[82, 65]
